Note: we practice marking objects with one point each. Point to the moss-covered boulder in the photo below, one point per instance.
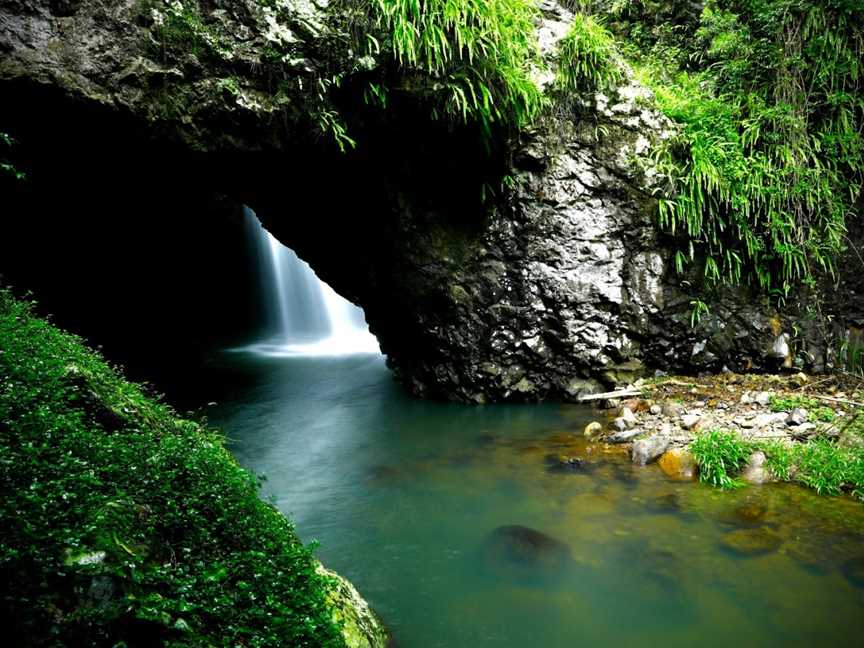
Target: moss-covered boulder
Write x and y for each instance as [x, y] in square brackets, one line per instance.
[122, 523]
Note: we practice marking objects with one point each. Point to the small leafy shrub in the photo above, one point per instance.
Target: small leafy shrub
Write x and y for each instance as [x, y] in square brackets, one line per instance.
[588, 58]
[816, 412]
[473, 58]
[6, 166]
[780, 459]
[819, 464]
[825, 467]
[769, 162]
[720, 454]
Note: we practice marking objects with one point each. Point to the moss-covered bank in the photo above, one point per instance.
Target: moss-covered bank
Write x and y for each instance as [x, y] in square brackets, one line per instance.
[123, 524]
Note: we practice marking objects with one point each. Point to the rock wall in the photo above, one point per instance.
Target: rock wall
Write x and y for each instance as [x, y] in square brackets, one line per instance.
[557, 286]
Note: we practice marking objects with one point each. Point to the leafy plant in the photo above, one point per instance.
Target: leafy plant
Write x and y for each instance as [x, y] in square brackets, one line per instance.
[720, 455]
[769, 161]
[7, 166]
[474, 59]
[588, 58]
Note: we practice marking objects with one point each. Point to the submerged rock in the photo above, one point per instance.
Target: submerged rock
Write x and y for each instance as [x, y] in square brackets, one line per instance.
[747, 515]
[853, 570]
[559, 463]
[751, 542]
[527, 548]
[668, 503]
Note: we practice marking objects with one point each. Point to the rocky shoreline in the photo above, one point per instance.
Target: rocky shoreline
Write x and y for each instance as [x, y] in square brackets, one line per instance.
[660, 418]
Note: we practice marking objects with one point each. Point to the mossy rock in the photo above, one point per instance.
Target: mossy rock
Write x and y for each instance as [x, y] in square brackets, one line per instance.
[361, 627]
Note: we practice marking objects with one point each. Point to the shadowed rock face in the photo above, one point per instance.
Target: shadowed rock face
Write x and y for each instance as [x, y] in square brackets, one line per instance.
[558, 286]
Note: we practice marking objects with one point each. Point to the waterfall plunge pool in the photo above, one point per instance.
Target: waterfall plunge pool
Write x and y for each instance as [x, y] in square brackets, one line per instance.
[427, 506]
[404, 495]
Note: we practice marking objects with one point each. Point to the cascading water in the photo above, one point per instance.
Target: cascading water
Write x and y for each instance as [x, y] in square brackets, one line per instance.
[304, 315]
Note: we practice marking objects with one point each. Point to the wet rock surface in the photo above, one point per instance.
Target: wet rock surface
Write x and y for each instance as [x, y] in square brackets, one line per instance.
[558, 288]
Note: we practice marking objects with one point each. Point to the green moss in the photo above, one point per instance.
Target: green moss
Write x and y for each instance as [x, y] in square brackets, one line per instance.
[121, 522]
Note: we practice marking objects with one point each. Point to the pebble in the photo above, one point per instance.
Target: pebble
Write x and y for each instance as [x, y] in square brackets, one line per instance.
[796, 417]
[655, 410]
[690, 421]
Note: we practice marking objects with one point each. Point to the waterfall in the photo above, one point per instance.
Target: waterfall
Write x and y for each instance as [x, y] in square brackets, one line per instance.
[303, 315]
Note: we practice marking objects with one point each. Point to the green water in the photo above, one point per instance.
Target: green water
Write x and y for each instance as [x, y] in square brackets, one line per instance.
[402, 496]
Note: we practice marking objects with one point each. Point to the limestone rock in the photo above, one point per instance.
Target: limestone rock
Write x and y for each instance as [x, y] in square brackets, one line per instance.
[796, 417]
[558, 288]
[690, 421]
[645, 451]
[628, 417]
[624, 435]
[756, 472]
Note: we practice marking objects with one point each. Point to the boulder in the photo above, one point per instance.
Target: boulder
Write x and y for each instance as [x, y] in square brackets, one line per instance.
[361, 627]
[796, 417]
[593, 429]
[644, 451]
[690, 421]
[756, 472]
[628, 417]
[519, 546]
[624, 436]
[678, 464]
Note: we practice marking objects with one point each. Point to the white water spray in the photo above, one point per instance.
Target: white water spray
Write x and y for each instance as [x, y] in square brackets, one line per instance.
[306, 316]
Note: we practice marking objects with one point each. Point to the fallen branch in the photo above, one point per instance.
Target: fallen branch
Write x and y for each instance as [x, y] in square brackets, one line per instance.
[618, 393]
[839, 400]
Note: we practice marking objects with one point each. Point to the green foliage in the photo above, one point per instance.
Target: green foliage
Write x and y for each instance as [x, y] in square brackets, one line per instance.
[769, 162]
[588, 58]
[851, 357]
[720, 455]
[6, 166]
[825, 467]
[816, 412]
[121, 523]
[780, 459]
[473, 58]
[819, 464]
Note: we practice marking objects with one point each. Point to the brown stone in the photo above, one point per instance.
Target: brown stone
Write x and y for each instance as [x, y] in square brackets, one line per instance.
[678, 464]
